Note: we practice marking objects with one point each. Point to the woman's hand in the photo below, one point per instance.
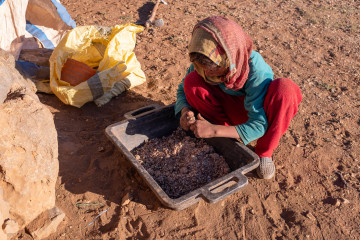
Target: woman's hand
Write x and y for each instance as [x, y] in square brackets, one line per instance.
[202, 128]
[187, 118]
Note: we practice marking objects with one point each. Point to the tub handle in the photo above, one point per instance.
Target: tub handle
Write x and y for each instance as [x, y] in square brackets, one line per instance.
[232, 184]
[132, 115]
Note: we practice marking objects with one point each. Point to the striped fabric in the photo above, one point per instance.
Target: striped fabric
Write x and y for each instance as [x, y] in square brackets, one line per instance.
[21, 20]
[95, 86]
[39, 34]
[46, 35]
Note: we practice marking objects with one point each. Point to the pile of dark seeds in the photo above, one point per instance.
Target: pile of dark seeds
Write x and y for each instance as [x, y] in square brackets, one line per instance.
[180, 163]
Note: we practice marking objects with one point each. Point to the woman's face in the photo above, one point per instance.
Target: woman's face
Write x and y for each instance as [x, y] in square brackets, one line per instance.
[213, 71]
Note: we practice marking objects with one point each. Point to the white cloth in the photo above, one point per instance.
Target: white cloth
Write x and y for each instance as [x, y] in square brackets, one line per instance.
[22, 21]
[13, 25]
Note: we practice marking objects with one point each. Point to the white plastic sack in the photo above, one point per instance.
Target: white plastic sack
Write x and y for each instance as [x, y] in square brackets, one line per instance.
[23, 20]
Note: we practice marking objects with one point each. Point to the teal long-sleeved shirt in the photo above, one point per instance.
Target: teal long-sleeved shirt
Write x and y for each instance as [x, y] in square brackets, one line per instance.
[254, 90]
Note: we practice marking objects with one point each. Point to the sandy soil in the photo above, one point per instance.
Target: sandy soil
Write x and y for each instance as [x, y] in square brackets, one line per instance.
[316, 191]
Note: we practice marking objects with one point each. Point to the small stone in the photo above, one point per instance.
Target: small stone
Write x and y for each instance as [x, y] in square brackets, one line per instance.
[337, 203]
[101, 149]
[10, 226]
[46, 224]
[309, 215]
[158, 23]
[126, 199]
[344, 201]
[183, 170]
[252, 211]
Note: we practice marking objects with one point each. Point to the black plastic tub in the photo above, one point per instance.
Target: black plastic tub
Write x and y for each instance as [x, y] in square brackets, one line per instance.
[154, 122]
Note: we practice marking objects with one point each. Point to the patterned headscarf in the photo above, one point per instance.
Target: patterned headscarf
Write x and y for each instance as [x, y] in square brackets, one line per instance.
[203, 42]
[231, 39]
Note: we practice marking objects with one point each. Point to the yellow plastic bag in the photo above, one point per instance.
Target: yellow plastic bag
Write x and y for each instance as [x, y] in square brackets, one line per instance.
[110, 50]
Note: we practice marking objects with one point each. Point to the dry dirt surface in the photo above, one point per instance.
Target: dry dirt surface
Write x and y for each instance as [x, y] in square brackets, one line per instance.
[316, 191]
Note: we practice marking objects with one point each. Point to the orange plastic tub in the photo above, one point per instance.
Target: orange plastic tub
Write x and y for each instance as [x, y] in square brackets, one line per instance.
[75, 72]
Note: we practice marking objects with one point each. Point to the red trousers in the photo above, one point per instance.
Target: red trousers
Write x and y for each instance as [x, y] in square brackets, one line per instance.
[281, 104]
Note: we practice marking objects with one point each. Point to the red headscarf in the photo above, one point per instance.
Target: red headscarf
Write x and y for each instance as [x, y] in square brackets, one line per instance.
[237, 45]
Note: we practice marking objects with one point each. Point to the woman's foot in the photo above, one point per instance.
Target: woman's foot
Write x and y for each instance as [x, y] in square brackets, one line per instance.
[266, 169]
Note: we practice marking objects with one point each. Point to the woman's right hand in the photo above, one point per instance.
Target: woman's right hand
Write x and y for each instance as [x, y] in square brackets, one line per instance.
[187, 118]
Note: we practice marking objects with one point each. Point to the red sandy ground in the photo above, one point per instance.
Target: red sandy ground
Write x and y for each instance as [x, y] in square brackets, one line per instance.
[316, 43]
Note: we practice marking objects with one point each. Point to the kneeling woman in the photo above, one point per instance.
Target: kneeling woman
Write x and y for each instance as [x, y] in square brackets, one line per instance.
[229, 91]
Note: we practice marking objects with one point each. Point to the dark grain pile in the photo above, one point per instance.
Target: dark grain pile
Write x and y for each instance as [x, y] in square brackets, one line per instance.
[180, 163]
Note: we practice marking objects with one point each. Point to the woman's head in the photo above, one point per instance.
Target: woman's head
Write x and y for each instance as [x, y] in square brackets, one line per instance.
[225, 44]
[207, 56]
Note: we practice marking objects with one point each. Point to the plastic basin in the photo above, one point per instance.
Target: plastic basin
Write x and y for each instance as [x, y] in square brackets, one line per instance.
[154, 122]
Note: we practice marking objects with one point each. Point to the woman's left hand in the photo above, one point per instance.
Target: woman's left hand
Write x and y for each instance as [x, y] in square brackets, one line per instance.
[202, 128]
